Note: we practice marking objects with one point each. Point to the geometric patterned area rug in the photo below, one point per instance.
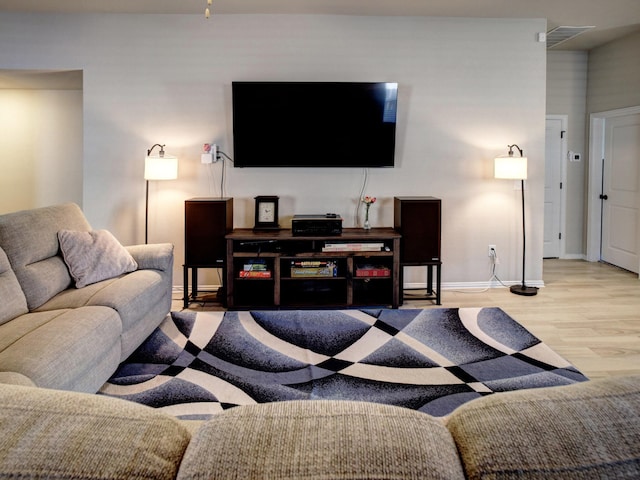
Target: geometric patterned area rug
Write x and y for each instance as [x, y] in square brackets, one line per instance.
[197, 364]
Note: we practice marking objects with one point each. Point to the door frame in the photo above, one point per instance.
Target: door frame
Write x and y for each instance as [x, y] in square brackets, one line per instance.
[597, 122]
[564, 121]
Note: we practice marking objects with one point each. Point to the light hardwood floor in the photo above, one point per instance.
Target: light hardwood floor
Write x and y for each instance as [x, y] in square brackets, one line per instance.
[587, 312]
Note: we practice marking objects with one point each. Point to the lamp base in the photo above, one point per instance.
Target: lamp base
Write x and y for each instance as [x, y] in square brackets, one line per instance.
[524, 290]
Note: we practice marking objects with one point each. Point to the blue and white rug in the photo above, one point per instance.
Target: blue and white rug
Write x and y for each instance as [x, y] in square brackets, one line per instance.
[198, 364]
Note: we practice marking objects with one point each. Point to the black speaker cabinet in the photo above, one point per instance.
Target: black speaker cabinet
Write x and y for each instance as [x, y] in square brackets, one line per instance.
[206, 222]
[418, 220]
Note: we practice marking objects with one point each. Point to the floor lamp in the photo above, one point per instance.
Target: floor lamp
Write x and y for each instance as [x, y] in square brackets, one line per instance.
[510, 167]
[157, 167]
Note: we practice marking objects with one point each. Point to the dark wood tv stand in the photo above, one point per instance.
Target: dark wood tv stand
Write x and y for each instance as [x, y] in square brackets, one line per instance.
[361, 278]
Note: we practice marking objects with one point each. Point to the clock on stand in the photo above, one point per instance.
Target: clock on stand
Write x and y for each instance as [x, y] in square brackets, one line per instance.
[266, 213]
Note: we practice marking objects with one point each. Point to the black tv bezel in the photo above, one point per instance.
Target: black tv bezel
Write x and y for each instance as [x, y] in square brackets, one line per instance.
[332, 158]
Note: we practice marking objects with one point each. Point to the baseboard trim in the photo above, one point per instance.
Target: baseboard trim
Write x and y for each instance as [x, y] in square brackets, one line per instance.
[573, 256]
[201, 288]
[475, 285]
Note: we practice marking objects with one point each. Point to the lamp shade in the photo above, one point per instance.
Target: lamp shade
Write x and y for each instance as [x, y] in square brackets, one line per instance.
[510, 167]
[160, 168]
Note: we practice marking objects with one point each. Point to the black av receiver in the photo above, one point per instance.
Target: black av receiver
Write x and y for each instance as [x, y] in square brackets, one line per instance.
[327, 224]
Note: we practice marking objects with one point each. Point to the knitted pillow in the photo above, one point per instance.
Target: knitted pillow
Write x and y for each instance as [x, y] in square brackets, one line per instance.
[94, 256]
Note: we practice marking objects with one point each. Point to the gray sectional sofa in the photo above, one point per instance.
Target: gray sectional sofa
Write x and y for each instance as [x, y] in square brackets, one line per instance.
[582, 431]
[58, 336]
[61, 337]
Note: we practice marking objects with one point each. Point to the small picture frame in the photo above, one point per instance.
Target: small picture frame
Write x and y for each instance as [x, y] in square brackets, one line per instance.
[266, 212]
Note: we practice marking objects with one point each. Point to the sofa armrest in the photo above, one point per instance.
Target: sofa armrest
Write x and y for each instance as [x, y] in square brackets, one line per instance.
[156, 256]
[15, 378]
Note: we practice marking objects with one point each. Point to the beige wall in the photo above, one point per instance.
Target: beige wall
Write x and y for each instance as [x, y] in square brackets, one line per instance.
[41, 145]
[167, 79]
[18, 180]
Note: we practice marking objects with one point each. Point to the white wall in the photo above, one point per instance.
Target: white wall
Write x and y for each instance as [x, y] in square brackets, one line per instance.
[567, 95]
[614, 84]
[41, 145]
[614, 75]
[468, 87]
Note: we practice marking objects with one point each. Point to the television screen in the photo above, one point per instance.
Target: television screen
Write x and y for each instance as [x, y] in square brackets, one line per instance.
[314, 124]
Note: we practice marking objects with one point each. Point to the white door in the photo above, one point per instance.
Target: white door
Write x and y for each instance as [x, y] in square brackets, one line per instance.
[554, 157]
[621, 192]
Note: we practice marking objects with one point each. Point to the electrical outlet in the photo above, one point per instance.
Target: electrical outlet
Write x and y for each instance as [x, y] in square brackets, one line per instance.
[491, 251]
[214, 153]
[210, 153]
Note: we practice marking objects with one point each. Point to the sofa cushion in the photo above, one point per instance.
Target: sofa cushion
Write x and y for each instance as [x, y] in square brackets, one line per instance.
[30, 240]
[585, 430]
[54, 434]
[94, 256]
[63, 349]
[321, 439]
[141, 298]
[12, 298]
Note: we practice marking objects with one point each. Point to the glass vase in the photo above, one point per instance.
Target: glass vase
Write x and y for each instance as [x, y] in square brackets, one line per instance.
[367, 225]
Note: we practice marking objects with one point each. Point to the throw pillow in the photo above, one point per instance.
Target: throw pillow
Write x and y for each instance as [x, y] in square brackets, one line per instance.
[94, 256]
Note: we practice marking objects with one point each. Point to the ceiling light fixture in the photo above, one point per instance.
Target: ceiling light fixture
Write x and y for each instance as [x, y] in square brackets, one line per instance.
[207, 12]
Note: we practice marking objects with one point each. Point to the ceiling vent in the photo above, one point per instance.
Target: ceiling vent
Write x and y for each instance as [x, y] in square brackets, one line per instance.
[559, 35]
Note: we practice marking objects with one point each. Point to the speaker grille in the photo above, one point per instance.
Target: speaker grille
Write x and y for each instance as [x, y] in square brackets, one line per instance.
[418, 220]
[207, 221]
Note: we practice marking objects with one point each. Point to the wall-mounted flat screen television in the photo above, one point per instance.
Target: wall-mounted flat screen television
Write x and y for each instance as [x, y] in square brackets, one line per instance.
[314, 124]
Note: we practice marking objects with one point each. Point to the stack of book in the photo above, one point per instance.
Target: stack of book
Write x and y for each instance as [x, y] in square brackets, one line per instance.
[353, 247]
[255, 268]
[313, 268]
[372, 271]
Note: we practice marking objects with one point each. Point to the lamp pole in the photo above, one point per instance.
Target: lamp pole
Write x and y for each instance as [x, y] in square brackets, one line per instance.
[146, 200]
[146, 215]
[522, 289]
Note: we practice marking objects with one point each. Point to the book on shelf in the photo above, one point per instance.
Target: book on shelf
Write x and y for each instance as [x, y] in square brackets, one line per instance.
[373, 271]
[255, 264]
[312, 272]
[311, 263]
[313, 268]
[255, 267]
[353, 247]
[254, 273]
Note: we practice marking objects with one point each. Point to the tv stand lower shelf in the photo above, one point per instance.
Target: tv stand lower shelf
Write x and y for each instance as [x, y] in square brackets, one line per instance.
[276, 269]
